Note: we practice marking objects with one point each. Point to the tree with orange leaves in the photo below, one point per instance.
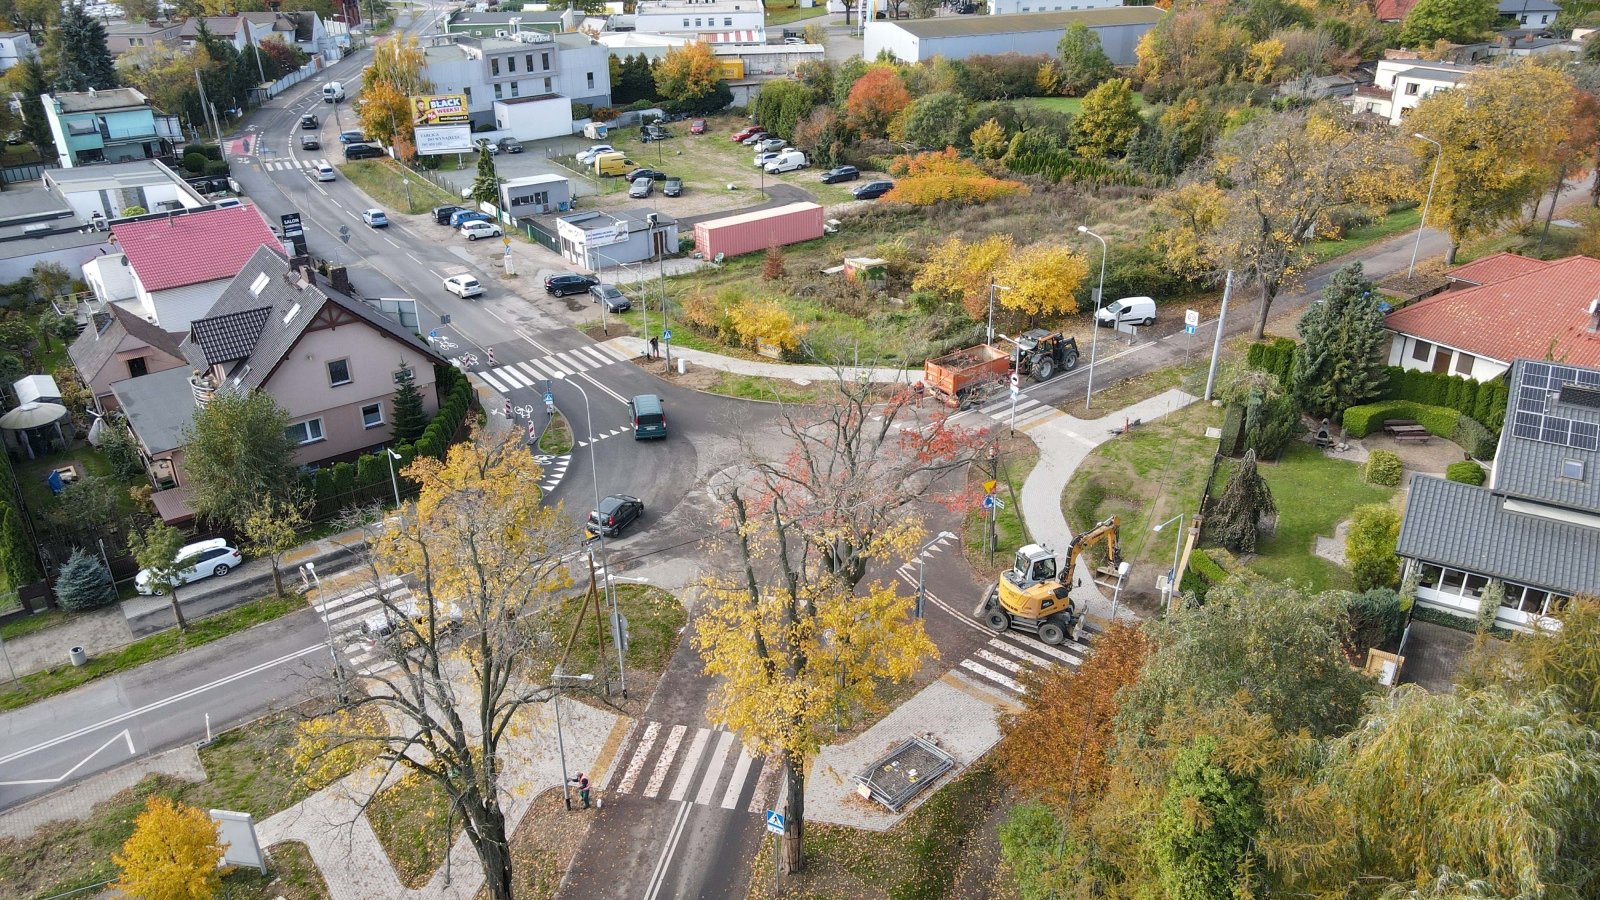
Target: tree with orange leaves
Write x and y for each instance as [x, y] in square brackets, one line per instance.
[875, 99]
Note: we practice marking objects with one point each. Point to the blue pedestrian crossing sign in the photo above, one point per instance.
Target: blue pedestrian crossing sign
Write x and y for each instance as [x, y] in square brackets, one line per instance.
[988, 501]
[775, 821]
[549, 397]
[666, 335]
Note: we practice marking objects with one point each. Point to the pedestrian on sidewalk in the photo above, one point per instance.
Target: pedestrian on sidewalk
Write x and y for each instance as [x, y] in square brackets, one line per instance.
[655, 348]
[583, 789]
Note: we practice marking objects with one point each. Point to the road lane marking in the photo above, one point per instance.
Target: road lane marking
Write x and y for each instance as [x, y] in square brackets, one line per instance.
[125, 735]
[548, 370]
[589, 378]
[492, 382]
[532, 372]
[708, 784]
[730, 799]
[691, 762]
[669, 752]
[636, 765]
[667, 852]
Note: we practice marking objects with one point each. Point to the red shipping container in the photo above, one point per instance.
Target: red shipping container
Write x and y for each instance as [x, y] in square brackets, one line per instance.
[752, 231]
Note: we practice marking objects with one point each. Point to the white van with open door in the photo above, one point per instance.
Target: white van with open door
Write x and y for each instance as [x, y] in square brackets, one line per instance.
[1127, 311]
[333, 92]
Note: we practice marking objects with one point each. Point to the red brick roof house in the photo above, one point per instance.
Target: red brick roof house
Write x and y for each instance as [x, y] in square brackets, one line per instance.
[1506, 307]
[182, 262]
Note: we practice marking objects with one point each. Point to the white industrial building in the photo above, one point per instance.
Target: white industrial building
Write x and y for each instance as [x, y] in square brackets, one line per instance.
[712, 21]
[522, 65]
[957, 37]
[1010, 7]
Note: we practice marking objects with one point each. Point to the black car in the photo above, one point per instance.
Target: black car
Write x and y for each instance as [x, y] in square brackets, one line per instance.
[652, 174]
[615, 513]
[309, 121]
[442, 214]
[653, 133]
[608, 294]
[310, 142]
[673, 187]
[840, 173]
[362, 151]
[562, 285]
[872, 190]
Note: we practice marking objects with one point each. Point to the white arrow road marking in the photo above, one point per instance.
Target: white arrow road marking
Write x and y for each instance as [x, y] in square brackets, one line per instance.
[124, 735]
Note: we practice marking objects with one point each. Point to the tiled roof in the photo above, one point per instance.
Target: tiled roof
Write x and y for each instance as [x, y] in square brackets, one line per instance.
[194, 247]
[1541, 314]
[228, 337]
[1467, 527]
[1392, 10]
[96, 345]
[1494, 268]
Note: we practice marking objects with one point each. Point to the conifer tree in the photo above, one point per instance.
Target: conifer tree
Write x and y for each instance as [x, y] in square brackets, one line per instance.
[76, 52]
[1236, 515]
[1340, 360]
[410, 419]
[486, 186]
[83, 582]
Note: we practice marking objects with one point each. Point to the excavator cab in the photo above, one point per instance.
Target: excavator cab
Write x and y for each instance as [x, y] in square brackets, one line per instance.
[1033, 565]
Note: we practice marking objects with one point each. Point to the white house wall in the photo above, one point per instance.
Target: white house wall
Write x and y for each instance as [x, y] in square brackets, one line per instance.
[175, 308]
[1402, 352]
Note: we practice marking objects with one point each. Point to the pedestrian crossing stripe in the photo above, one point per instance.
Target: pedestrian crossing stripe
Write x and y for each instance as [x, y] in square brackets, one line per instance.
[701, 765]
[344, 614]
[534, 372]
[555, 469]
[1029, 412]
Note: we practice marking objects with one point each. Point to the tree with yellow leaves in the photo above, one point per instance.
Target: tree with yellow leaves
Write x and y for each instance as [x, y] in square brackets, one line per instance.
[964, 270]
[479, 552]
[395, 76]
[989, 140]
[1501, 130]
[172, 854]
[759, 322]
[1042, 280]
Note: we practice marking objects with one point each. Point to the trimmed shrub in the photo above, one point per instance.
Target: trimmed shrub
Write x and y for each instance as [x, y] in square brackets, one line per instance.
[1363, 420]
[1232, 429]
[1276, 356]
[1483, 401]
[1474, 438]
[1374, 619]
[1204, 566]
[84, 583]
[1369, 547]
[1382, 467]
[1466, 472]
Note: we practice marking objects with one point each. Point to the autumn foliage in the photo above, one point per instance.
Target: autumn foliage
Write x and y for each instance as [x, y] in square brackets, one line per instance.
[927, 178]
[960, 269]
[875, 99]
[172, 854]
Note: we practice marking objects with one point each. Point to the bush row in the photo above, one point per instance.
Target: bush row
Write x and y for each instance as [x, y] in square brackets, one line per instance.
[1482, 401]
[1363, 420]
[1064, 165]
[1275, 356]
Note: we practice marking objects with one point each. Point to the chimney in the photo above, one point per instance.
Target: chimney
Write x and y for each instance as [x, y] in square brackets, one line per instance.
[1594, 316]
[339, 277]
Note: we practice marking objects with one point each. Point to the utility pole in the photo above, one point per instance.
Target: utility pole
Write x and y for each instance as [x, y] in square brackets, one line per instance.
[206, 109]
[1216, 344]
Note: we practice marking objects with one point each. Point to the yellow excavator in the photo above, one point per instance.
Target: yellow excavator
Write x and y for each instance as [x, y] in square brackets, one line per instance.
[1032, 595]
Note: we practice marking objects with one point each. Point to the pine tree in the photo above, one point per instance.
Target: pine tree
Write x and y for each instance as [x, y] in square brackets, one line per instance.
[486, 186]
[16, 555]
[77, 54]
[1340, 360]
[410, 419]
[31, 82]
[83, 582]
[1236, 515]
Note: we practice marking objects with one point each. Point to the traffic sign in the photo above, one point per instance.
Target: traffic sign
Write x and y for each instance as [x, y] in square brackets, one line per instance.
[990, 485]
[775, 822]
[549, 397]
[1015, 392]
[989, 501]
[666, 334]
[1188, 329]
[1191, 317]
[506, 241]
[1016, 380]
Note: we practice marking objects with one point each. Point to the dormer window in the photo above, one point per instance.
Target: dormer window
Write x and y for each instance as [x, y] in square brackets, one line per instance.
[1572, 468]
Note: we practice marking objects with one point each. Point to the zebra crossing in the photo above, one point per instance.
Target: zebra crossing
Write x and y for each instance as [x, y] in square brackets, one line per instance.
[1030, 412]
[286, 165]
[705, 766]
[535, 372]
[344, 614]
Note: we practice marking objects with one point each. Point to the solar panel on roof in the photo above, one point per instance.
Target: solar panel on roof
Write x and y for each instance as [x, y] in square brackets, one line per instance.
[1541, 386]
[1579, 395]
[1586, 435]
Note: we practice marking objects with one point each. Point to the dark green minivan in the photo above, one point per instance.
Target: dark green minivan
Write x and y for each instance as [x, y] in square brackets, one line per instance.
[649, 418]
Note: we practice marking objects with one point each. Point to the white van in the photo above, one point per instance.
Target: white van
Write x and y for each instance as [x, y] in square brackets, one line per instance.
[1128, 311]
[332, 92]
[787, 161]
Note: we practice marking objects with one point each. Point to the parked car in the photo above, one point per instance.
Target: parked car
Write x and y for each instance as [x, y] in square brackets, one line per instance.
[761, 159]
[840, 173]
[650, 133]
[510, 145]
[755, 139]
[309, 121]
[641, 188]
[325, 173]
[787, 161]
[562, 285]
[352, 137]
[740, 136]
[794, 40]
[616, 512]
[769, 144]
[201, 559]
[463, 286]
[375, 218]
[442, 214]
[362, 151]
[1128, 310]
[310, 142]
[652, 174]
[488, 147]
[462, 216]
[612, 298]
[480, 229]
[697, 126]
[587, 156]
[872, 190]
[673, 187]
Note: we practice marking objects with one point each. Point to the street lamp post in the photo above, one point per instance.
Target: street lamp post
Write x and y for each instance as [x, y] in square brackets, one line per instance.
[557, 679]
[1094, 318]
[394, 482]
[600, 537]
[1437, 156]
[322, 604]
[989, 330]
[1177, 548]
[922, 592]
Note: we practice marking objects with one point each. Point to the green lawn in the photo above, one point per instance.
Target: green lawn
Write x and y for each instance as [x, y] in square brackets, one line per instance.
[31, 475]
[16, 628]
[655, 619]
[795, 14]
[1073, 105]
[557, 437]
[1360, 238]
[1313, 493]
[755, 387]
[384, 180]
[409, 818]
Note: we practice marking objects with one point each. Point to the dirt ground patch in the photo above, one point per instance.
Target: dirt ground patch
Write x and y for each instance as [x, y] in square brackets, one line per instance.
[544, 846]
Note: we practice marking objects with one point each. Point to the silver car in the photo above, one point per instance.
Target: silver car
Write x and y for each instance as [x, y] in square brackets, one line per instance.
[772, 144]
[641, 188]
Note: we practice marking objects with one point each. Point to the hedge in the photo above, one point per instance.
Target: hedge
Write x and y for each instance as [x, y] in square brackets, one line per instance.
[1363, 420]
[1275, 356]
[1483, 401]
[1382, 467]
[1478, 441]
[1465, 471]
[1206, 567]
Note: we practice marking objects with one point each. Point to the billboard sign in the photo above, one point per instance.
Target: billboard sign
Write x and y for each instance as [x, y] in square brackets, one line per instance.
[439, 109]
[615, 233]
[438, 139]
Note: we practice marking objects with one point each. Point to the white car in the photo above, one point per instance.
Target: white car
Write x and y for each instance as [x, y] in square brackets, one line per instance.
[587, 156]
[474, 230]
[325, 172]
[463, 286]
[195, 561]
[762, 159]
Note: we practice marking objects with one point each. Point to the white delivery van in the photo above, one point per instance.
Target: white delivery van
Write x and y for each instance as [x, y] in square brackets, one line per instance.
[787, 161]
[332, 92]
[1128, 311]
[596, 131]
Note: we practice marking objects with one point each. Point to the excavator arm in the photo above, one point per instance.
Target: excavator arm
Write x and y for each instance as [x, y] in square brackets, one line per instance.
[1106, 531]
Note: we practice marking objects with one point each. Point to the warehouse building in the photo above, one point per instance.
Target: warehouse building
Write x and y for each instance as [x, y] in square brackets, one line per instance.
[957, 37]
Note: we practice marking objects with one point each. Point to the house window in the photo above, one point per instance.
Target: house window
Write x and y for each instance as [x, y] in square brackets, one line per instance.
[372, 415]
[1464, 364]
[529, 61]
[727, 22]
[698, 22]
[307, 432]
[1421, 351]
[1429, 575]
[1572, 468]
[686, 23]
[1451, 582]
[497, 92]
[511, 64]
[547, 85]
[494, 66]
[1473, 585]
[591, 81]
[541, 198]
[1411, 88]
[544, 61]
[136, 367]
[338, 372]
[515, 88]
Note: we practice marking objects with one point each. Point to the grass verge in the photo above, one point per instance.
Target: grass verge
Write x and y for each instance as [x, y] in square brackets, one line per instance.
[795, 14]
[37, 622]
[655, 620]
[248, 769]
[1017, 458]
[39, 685]
[919, 858]
[557, 437]
[291, 875]
[1122, 394]
[756, 387]
[384, 181]
[409, 818]
[544, 847]
[1361, 238]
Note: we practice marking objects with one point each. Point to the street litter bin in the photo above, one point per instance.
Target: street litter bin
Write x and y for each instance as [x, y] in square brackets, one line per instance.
[78, 655]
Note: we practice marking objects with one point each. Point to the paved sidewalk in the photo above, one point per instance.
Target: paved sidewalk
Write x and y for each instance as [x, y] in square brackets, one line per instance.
[1064, 443]
[800, 374]
[353, 863]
